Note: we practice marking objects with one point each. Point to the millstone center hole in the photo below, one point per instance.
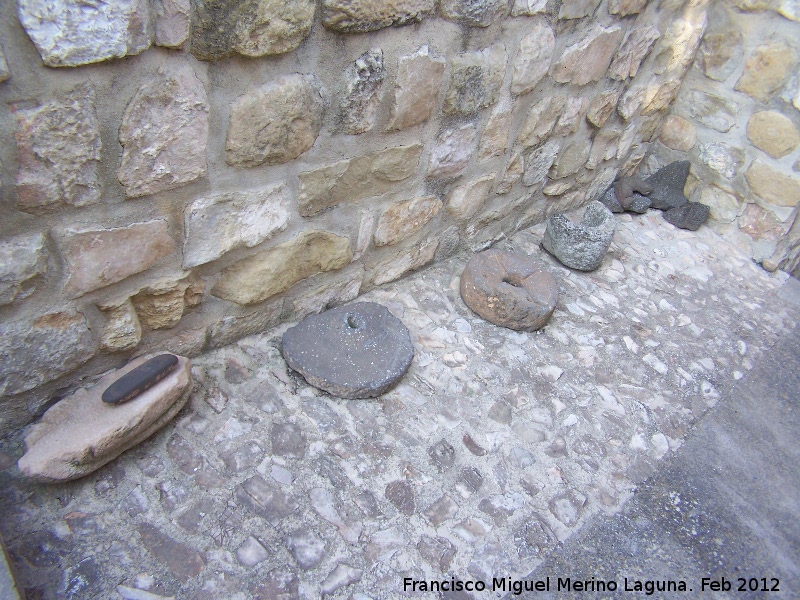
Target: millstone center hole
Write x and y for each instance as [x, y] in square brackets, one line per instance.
[353, 322]
[513, 279]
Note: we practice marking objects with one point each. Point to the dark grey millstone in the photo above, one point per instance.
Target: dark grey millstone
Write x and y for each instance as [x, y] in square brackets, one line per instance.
[668, 184]
[689, 216]
[356, 351]
[140, 379]
[581, 245]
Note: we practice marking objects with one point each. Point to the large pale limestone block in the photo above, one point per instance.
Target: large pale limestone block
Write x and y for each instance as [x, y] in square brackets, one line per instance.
[234, 327]
[513, 172]
[570, 119]
[577, 9]
[68, 33]
[336, 290]
[494, 137]
[773, 186]
[678, 134]
[363, 82]
[217, 224]
[766, 70]
[275, 123]
[528, 8]
[122, 330]
[453, 150]
[81, 433]
[419, 78]
[465, 200]
[96, 258]
[571, 159]
[588, 60]
[711, 110]
[720, 54]
[678, 46]
[623, 8]
[162, 303]
[637, 45]
[35, 351]
[533, 57]
[409, 259]
[164, 133]
[276, 269]
[251, 28]
[541, 120]
[473, 13]
[22, 258]
[789, 9]
[173, 21]
[602, 107]
[356, 178]
[773, 132]
[402, 219]
[604, 147]
[723, 206]
[5, 72]
[475, 80]
[360, 16]
[58, 149]
[722, 158]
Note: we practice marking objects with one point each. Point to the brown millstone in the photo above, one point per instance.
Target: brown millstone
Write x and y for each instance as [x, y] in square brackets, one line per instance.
[509, 290]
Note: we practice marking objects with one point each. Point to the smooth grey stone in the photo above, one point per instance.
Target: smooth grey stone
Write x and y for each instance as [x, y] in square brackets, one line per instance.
[356, 351]
[689, 216]
[140, 379]
[668, 184]
[581, 245]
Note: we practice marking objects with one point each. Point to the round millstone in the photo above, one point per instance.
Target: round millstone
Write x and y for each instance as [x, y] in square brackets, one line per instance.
[356, 351]
[509, 290]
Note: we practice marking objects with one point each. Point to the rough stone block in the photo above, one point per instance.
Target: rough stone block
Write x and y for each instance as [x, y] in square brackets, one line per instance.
[528, 8]
[402, 219]
[275, 270]
[533, 57]
[360, 16]
[407, 260]
[587, 60]
[336, 289]
[722, 158]
[161, 304]
[570, 119]
[789, 9]
[623, 8]
[581, 245]
[173, 19]
[251, 28]
[453, 150]
[473, 13]
[720, 54]
[766, 70]
[216, 224]
[164, 133]
[678, 134]
[773, 132]
[99, 257]
[58, 146]
[773, 186]
[602, 107]
[571, 159]
[710, 110]
[234, 327]
[419, 78]
[538, 163]
[723, 207]
[577, 9]
[465, 200]
[356, 178]
[68, 33]
[275, 123]
[494, 137]
[475, 80]
[637, 45]
[122, 330]
[5, 72]
[33, 352]
[22, 258]
[363, 82]
[541, 120]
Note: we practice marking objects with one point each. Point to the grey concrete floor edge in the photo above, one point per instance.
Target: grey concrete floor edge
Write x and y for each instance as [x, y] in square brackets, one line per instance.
[720, 518]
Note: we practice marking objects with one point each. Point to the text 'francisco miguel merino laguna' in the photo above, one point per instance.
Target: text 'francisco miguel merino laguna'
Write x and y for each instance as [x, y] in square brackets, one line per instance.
[558, 584]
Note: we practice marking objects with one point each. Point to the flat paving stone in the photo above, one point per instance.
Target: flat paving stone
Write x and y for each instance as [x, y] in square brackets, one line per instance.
[583, 413]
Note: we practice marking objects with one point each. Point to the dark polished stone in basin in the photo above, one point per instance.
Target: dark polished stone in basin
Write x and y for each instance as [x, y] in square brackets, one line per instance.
[140, 379]
[356, 351]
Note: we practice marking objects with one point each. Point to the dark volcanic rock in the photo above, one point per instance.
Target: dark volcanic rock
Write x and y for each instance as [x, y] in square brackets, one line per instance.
[580, 245]
[668, 184]
[627, 193]
[510, 290]
[356, 351]
[689, 216]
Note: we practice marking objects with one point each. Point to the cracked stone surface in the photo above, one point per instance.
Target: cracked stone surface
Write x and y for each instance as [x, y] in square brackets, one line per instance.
[495, 448]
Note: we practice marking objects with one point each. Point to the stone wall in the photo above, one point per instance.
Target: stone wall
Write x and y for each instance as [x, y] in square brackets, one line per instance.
[179, 174]
[737, 118]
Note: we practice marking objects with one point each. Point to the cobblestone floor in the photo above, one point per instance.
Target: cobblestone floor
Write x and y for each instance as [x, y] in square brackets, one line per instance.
[495, 448]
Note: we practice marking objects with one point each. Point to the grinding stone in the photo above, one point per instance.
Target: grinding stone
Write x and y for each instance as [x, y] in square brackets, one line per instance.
[356, 351]
[580, 245]
[140, 379]
[510, 290]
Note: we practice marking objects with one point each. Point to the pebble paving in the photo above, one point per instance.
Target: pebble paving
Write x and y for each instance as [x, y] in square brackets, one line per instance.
[495, 448]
